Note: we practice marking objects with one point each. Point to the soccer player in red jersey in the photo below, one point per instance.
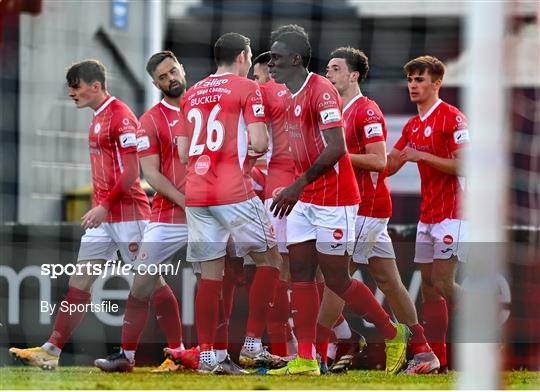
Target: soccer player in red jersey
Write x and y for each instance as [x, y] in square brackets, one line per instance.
[167, 231]
[433, 139]
[221, 111]
[322, 204]
[120, 206]
[365, 133]
[281, 173]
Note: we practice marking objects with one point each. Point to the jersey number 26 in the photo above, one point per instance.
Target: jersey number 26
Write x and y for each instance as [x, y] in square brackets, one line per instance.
[214, 131]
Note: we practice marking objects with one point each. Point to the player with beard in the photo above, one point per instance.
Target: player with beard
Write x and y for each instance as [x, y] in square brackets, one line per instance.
[167, 231]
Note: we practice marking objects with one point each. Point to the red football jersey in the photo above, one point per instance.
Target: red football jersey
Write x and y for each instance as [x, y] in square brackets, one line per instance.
[157, 135]
[281, 172]
[313, 109]
[218, 110]
[441, 131]
[364, 124]
[112, 135]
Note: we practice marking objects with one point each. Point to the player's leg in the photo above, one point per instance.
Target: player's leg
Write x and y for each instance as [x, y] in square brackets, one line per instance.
[96, 247]
[334, 263]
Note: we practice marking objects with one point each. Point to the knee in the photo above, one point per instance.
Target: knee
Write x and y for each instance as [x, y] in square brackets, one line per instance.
[444, 287]
[302, 273]
[81, 282]
[388, 283]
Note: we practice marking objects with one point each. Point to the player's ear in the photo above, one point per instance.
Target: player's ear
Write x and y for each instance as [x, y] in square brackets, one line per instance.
[355, 76]
[296, 59]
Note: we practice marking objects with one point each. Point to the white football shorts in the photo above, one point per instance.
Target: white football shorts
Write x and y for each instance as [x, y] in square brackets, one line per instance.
[440, 241]
[372, 239]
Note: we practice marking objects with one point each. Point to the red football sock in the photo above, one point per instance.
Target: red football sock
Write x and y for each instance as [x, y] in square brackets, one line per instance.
[225, 310]
[278, 319]
[305, 310]
[134, 322]
[262, 293]
[418, 343]
[65, 323]
[323, 337]
[436, 327]
[168, 315]
[206, 311]
[362, 301]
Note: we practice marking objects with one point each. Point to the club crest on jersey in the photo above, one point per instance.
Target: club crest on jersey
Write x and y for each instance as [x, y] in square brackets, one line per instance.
[143, 143]
[448, 239]
[97, 128]
[128, 140]
[461, 136]
[258, 109]
[330, 116]
[297, 110]
[427, 131]
[373, 130]
[338, 234]
[202, 165]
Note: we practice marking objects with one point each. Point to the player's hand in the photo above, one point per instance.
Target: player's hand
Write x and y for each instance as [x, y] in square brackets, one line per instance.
[94, 217]
[252, 154]
[285, 199]
[411, 155]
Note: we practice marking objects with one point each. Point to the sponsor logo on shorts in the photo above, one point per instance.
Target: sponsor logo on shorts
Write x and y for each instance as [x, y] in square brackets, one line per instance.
[335, 246]
[133, 247]
[373, 130]
[338, 234]
[446, 250]
[427, 131]
[461, 137]
[97, 128]
[448, 239]
[128, 140]
[330, 116]
[202, 165]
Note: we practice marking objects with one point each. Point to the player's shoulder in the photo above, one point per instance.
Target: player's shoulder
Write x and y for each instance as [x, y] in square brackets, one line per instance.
[412, 122]
[320, 82]
[122, 112]
[454, 115]
[367, 107]
[151, 112]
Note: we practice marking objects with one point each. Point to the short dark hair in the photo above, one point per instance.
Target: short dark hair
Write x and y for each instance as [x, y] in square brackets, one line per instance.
[263, 58]
[228, 47]
[88, 71]
[290, 28]
[356, 60]
[434, 66]
[297, 42]
[156, 59]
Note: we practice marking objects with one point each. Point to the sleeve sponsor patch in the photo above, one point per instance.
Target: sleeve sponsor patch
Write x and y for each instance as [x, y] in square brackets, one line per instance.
[128, 140]
[330, 115]
[461, 136]
[258, 109]
[143, 143]
[373, 130]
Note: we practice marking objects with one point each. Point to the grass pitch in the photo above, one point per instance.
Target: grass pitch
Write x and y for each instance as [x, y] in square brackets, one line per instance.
[92, 378]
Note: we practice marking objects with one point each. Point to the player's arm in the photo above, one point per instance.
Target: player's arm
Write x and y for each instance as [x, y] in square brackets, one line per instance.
[183, 146]
[373, 160]
[334, 150]
[96, 215]
[446, 165]
[258, 137]
[161, 184]
[394, 161]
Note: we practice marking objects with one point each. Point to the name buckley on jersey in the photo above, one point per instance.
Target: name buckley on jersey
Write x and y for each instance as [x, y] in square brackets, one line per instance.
[205, 99]
[102, 307]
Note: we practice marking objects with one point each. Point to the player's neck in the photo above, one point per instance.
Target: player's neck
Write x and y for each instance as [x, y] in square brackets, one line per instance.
[350, 93]
[223, 69]
[423, 107]
[100, 100]
[173, 101]
[297, 81]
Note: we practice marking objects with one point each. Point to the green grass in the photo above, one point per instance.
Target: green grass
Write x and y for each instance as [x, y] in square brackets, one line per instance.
[91, 378]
